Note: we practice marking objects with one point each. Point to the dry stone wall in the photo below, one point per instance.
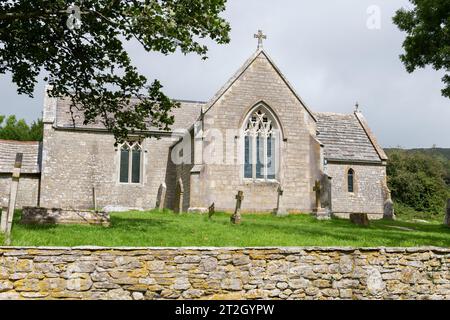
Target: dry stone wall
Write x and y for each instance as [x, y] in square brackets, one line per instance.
[224, 273]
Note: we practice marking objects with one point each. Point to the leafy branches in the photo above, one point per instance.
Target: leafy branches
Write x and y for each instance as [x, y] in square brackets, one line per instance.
[90, 65]
[428, 37]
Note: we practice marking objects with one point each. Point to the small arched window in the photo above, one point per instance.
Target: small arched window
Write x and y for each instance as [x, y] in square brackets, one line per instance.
[130, 162]
[351, 180]
[261, 146]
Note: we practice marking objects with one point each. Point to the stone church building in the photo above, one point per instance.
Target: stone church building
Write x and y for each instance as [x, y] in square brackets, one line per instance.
[255, 135]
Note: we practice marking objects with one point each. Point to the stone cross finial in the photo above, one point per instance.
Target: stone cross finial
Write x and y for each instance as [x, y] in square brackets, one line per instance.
[260, 36]
[357, 106]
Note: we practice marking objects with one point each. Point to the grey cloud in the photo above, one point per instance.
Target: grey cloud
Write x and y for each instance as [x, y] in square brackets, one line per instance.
[325, 50]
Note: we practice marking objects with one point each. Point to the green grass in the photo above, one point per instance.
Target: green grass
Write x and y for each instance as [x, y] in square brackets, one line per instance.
[405, 213]
[170, 230]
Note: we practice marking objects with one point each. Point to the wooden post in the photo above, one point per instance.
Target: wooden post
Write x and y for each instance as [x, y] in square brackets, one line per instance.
[13, 195]
[94, 198]
[236, 217]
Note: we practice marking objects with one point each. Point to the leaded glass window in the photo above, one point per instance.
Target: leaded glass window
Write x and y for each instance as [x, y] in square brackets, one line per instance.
[130, 162]
[351, 180]
[260, 146]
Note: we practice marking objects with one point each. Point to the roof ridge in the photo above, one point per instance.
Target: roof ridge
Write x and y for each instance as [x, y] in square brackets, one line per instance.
[359, 116]
[332, 113]
[241, 71]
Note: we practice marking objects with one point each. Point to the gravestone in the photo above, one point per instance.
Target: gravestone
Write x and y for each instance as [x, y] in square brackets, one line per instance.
[317, 190]
[4, 219]
[280, 210]
[211, 210]
[319, 212]
[447, 214]
[236, 217]
[360, 219]
[388, 213]
[161, 198]
[180, 195]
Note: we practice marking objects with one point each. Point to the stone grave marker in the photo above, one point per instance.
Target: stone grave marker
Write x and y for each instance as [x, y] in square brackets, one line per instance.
[211, 210]
[280, 210]
[236, 217]
[4, 219]
[388, 213]
[161, 198]
[360, 219]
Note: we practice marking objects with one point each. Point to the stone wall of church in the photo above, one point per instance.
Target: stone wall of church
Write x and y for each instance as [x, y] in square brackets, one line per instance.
[74, 162]
[299, 152]
[368, 196]
[28, 191]
[224, 273]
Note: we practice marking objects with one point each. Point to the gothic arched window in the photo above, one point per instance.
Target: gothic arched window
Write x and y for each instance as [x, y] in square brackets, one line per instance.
[130, 162]
[261, 146]
[351, 180]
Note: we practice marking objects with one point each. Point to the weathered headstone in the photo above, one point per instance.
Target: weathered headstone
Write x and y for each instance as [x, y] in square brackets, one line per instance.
[447, 214]
[317, 190]
[180, 195]
[388, 213]
[236, 217]
[161, 198]
[211, 210]
[319, 212]
[280, 210]
[359, 218]
[4, 219]
[13, 195]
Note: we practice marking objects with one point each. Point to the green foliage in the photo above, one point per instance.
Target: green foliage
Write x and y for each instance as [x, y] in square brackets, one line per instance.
[428, 36]
[444, 156]
[406, 213]
[89, 64]
[417, 180]
[147, 229]
[14, 129]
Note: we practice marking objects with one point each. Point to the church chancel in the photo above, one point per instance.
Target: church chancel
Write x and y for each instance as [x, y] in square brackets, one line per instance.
[256, 135]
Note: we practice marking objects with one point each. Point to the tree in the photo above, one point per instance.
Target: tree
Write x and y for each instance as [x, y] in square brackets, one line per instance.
[14, 129]
[81, 50]
[417, 180]
[427, 26]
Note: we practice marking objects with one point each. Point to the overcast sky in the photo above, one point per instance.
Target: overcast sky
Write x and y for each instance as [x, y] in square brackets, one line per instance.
[326, 51]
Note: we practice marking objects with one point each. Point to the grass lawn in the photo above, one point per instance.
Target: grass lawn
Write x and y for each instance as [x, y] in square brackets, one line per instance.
[169, 230]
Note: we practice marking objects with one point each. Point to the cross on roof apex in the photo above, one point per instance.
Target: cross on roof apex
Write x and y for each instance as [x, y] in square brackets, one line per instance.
[260, 36]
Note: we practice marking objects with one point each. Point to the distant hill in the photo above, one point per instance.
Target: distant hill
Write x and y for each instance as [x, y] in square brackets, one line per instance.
[440, 153]
[445, 152]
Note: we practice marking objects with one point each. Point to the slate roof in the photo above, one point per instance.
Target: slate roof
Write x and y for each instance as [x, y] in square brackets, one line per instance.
[185, 115]
[31, 150]
[346, 138]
